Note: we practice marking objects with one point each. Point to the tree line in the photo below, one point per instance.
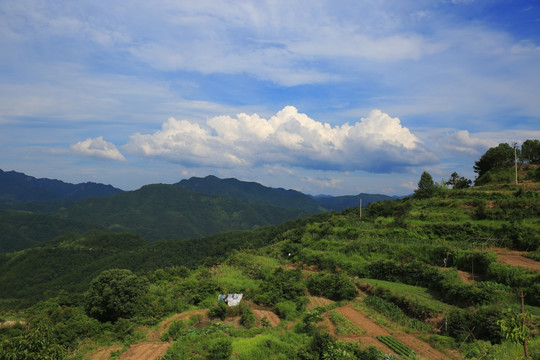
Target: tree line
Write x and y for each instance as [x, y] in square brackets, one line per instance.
[502, 156]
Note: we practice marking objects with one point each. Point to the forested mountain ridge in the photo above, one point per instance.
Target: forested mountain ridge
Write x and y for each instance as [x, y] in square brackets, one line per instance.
[163, 211]
[256, 193]
[251, 192]
[23, 229]
[18, 187]
[192, 208]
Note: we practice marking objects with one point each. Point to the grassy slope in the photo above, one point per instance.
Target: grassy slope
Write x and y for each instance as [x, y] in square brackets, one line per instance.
[343, 242]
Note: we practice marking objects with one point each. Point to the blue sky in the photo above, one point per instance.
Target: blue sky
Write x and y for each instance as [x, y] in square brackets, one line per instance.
[333, 97]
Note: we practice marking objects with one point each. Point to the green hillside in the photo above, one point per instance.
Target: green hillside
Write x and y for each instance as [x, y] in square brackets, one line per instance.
[24, 229]
[430, 274]
[70, 262]
[168, 212]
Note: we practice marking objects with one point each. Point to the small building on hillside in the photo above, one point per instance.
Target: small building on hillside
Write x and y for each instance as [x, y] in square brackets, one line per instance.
[231, 299]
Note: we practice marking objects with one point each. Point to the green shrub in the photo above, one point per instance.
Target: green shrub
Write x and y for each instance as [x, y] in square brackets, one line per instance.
[248, 318]
[265, 322]
[441, 342]
[447, 284]
[519, 236]
[465, 260]
[535, 256]
[175, 330]
[480, 324]
[286, 310]
[309, 321]
[220, 348]
[281, 285]
[536, 174]
[324, 346]
[218, 310]
[479, 349]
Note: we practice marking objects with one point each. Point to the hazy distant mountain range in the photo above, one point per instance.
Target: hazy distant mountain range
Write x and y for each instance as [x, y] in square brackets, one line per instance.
[18, 187]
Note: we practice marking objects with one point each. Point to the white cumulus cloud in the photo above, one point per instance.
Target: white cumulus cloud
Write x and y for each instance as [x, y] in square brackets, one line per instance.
[97, 148]
[378, 143]
[461, 141]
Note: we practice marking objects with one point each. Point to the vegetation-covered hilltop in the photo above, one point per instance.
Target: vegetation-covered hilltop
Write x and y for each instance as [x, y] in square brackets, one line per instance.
[437, 275]
[17, 187]
[192, 208]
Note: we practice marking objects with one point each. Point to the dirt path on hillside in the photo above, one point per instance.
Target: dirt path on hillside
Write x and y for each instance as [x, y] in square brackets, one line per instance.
[272, 318]
[145, 351]
[151, 349]
[373, 330]
[104, 353]
[10, 323]
[516, 258]
[420, 347]
[468, 277]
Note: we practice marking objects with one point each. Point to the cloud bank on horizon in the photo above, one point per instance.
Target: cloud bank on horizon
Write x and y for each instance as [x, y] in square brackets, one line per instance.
[340, 94]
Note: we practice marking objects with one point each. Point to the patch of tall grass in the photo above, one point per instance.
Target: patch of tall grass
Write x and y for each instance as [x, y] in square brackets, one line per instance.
[268, 346]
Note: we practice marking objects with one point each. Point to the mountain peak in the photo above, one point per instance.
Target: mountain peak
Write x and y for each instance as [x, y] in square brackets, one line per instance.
[19, 187]
[251, 192]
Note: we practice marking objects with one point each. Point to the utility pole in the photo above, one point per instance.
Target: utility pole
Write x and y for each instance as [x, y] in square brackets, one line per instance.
[515, 161]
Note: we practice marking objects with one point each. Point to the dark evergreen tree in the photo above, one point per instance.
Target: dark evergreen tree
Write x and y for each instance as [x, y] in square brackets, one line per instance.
[530, 151]
[458, 182]
[426, 186]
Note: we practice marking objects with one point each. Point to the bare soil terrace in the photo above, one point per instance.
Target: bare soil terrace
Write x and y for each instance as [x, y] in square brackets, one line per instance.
[423, 349]
[516, 258]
